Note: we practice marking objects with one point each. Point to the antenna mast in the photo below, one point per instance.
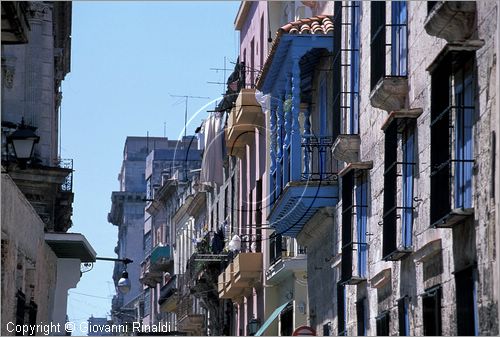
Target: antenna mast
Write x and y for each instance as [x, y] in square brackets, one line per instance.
[186, 99]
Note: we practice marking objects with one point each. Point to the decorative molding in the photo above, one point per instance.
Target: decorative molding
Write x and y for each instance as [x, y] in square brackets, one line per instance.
[8, 70]
[38, 10]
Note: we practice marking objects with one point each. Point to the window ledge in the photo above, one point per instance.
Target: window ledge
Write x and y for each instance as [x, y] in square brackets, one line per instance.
[361, 165]
[455, 47]
[346, 147]
[456, 216]
[390, 93]
[451, 20]
[398, 254]
[401, 114]
[353, 280]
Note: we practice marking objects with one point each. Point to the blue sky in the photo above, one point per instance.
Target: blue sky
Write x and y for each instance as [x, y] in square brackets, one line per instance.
[127, 58]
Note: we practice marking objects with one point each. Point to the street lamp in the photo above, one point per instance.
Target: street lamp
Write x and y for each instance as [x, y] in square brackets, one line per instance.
[23, 141]
[123, 285]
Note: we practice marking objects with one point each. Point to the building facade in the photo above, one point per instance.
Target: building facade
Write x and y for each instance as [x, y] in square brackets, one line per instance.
[416, 212]
[40, 259]
[127, 212]
[169, 173]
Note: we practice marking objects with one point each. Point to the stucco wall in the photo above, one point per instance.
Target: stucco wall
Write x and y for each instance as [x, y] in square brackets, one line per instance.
[28, 263]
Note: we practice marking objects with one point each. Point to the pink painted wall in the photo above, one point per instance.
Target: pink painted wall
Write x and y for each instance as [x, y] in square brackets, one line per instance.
[253, 37]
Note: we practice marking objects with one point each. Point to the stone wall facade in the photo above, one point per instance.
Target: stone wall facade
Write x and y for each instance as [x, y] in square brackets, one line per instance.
[437, 254]
[28, 263]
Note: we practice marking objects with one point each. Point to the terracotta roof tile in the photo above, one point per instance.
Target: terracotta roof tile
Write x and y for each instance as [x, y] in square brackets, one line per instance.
[304, 25]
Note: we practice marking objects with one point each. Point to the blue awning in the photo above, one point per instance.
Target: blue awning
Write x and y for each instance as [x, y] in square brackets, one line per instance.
[271, 318]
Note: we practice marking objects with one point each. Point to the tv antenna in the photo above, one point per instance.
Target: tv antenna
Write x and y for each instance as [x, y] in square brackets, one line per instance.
[186, 99]
[224, 75]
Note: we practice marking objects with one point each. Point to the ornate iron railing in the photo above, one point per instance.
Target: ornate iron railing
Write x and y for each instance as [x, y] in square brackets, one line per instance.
[318, 162]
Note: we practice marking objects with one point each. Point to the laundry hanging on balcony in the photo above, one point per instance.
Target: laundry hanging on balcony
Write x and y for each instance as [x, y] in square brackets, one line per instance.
[211, 170]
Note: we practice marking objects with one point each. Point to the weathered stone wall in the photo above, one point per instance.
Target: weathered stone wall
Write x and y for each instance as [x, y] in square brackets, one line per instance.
[466, 243]
[28, 264]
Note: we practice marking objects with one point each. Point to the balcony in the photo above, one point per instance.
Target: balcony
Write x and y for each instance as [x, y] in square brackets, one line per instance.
[49, 189]
[400, 116]
[187, 321]
[454, 217]
[191, 323]
[313, 188]
[168, 295]
[149, 277]
[240, 275]
[451, 20]
[346, 148]
[390, 93]
[242, 121]
[161, 258]
[285, 267]
[285, 259]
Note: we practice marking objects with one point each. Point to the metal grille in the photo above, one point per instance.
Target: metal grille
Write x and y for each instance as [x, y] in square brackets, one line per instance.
[67, 185]
[346, 264]
[318, 163]
[377, 45]
[431, 306]
[449, 167]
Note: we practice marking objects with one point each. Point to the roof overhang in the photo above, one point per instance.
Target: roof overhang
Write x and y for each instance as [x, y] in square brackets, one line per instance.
[279, 62]
[242, 14]
[298, 202]
[71, 246]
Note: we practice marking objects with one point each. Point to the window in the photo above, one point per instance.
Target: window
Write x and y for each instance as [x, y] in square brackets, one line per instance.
[149, 189]
[361, 219]
[403, 318]
[355, 66]
[361, 316]
[382, 322]
[20, 309]
[346, 66]
[452, 120]
[261, 42]
[147, 302]
[337, 86]
[377, 45]
[346, 263]
[341, 309]
[399, 37]
[148, 243]
[275, 248]
[408, 167]
[464, 120]
[466, 302]
[252, 63]
[349, 182]
[32, 312]
[394, 248]
[398, 42]
[431, 305]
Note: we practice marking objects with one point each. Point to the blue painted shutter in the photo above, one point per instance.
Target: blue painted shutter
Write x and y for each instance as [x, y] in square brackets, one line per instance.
[355, 66]
[399, 44]
[361, 203]
[322, 127]
[403, 319]
[408, 158]
[464, 97]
